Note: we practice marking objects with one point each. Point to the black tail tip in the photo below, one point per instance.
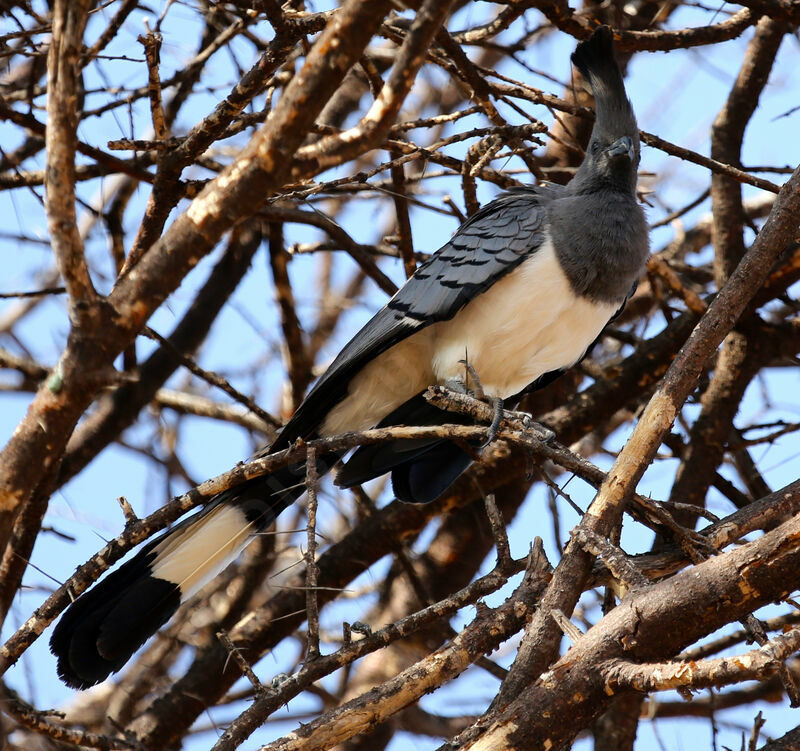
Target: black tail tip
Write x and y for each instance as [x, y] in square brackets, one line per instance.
[103, 628]
[595, 51]
[72, 679]
[79, 664]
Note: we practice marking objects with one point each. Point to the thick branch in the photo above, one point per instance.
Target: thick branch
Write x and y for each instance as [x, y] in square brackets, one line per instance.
[484, 634]
[727, 134]
[542, 636]
[63, 73]
[652, 624]
[375, 125]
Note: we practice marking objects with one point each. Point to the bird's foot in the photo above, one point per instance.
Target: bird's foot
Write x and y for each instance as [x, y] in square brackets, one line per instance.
[457, 386]
[536, 429]
[462, 387]
[472, 374]
[540, 432]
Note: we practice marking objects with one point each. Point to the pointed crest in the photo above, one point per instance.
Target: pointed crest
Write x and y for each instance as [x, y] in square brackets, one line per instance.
[594, 58]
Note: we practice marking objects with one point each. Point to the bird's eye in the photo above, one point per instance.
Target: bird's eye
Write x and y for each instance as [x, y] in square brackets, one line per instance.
[594, 146]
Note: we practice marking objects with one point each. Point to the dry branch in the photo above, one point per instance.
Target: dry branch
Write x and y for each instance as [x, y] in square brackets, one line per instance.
[647, 625]
[304, 109]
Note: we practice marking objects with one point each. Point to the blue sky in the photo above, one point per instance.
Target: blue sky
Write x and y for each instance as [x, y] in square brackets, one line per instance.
[676, 96]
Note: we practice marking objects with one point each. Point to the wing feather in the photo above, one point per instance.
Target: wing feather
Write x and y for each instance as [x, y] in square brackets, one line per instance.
[494, 241]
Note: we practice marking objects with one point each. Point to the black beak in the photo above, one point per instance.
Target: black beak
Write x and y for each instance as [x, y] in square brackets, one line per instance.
[624, 146]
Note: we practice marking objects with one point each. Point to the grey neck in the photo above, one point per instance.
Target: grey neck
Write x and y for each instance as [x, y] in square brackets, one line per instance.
[601, 241]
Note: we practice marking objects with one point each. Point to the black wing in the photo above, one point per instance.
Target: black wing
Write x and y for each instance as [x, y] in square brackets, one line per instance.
[486, 247]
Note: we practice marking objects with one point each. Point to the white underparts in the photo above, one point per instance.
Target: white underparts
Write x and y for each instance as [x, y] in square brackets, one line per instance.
[528, 323]
[192, 556]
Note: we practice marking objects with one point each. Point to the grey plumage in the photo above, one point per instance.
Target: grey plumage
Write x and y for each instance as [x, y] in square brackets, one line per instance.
[599, 229]
[522, 289]
[603, 246]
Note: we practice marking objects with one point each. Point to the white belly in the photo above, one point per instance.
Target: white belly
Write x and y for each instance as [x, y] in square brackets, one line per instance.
[527, 324]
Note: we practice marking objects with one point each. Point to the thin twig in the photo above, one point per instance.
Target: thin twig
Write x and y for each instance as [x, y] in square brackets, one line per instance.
[499, 531]
[312, 570]
[212, 378]
[152, 49]
[243, 664]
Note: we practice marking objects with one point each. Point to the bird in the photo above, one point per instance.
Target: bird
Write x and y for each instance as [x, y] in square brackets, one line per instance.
[517, 296]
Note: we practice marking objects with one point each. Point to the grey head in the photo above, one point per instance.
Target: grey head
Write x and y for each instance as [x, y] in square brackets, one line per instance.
[612, 156]
[599, 230]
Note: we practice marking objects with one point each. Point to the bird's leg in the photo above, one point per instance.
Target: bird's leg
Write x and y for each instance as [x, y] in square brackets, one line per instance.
[471, 373]
[497, 418]
[458, 386]
[539, 431]
[479, 393]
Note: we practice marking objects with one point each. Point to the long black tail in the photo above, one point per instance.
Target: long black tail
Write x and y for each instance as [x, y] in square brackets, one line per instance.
[102, 629]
